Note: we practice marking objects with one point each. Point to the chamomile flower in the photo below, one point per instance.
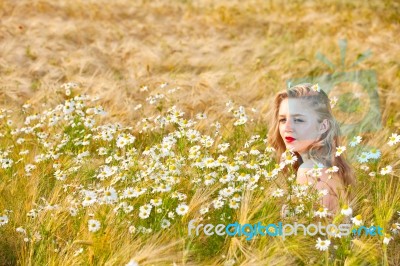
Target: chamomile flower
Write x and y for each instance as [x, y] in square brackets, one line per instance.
[21, 230]
[218, 203]
[340, 150]
[132, 229]
[395, 228]
[156, 202]
[363, 158]
[223, 147]
[73, 211]
[193, 135]
[332, 169]
[269, 148]
[144, 88]
[243, 177]
[69, 107]
[254, 151]
[386, 170]
[206, 141]
[201, 116]
[106, 171]
[252, 165]
[346, 210]
[357, 220]
[374, 154]
[204, 210]
[26, 105]
[209, 180]
[94, 225]
[110, 195]
[165, 223]
[129, 192]
[334, 231]
[322, 245]
[144, 211]
[78, 251]
[333, 101]
[240, 121]
[6, 163]
[355, 141]
[289, 157]
[299, 208]
[3, 220]
[394, 139]
[121, 141]
[372, 174]
[316, 87]
[314, 172]
[29, 168]
[278, 193]
[132, 262]
[321, 213]
[233, 204]
[226, 192]
[387, 239]
[60, 175]
[229, 262]
[32, 213]
[90, 198]
[24, 152]
[102, 151]
[236, 197]
[68, 87]
[182, 209]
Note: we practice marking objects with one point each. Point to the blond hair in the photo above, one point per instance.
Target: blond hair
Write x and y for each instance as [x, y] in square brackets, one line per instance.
[322, 150]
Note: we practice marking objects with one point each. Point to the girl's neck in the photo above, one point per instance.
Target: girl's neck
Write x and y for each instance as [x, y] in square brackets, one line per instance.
[309, 163]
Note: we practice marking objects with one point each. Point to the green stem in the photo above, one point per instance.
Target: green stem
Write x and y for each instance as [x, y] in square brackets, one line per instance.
[327, 257]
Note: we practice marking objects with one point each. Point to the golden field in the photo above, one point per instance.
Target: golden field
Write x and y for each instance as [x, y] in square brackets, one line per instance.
[198, 55]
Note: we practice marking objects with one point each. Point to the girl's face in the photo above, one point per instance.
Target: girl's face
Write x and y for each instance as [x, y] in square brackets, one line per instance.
[298, 125]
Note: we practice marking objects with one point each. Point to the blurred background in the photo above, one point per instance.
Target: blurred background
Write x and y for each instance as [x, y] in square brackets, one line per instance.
[213, 50]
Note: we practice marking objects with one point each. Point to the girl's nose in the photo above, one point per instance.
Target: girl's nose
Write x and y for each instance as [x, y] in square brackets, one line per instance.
[288, 125]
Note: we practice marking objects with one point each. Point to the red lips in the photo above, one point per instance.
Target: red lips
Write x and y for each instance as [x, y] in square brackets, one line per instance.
[290, 139]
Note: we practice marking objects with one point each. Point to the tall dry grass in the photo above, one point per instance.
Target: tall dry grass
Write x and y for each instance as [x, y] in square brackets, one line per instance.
[214, 50]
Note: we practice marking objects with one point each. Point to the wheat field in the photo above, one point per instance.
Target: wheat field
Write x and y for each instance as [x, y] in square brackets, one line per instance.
[119, 120]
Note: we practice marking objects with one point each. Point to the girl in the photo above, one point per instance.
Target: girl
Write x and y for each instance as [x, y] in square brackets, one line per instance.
[303, 123]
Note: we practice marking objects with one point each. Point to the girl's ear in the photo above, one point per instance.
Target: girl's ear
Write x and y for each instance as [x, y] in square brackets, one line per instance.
[324, 126]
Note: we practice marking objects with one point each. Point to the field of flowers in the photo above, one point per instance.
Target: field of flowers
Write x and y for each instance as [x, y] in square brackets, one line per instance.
[123, 121]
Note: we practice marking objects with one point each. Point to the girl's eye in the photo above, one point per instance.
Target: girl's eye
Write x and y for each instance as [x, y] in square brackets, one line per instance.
[296, 120]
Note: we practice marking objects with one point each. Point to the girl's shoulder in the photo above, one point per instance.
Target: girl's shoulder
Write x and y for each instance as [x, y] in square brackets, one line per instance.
[318, 174]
